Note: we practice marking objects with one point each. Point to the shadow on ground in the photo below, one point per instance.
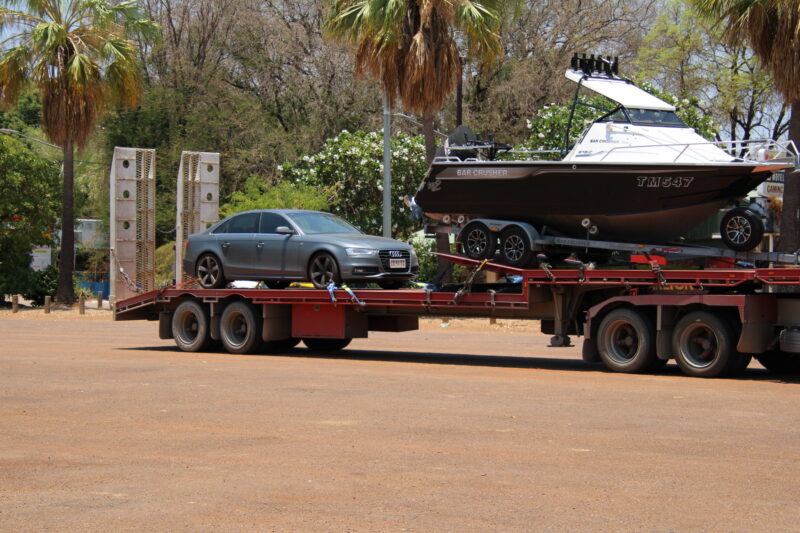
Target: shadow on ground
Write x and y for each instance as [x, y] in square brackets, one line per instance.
[490, 361]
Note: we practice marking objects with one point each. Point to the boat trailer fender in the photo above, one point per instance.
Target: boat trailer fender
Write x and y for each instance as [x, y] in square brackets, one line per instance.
[498, 226]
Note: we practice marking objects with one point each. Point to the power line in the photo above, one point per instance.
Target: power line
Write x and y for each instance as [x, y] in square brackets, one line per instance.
[20, 134]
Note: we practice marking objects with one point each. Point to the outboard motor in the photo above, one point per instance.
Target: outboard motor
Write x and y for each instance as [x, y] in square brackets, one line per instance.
[460, 137]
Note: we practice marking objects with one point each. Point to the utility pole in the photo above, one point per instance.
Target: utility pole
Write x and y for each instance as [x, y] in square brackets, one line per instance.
[387, 167]
[460, 93]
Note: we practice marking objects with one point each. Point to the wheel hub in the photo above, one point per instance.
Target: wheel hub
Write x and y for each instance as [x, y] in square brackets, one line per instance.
[700, 346]
[513, 248]
[738, 229]
[476, 242]
[625, 342]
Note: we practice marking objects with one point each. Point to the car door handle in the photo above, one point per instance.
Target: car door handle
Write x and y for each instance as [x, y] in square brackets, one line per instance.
[225, 244]
[260, 245]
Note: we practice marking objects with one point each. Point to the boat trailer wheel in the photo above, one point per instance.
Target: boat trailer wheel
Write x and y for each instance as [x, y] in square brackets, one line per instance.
[478, 241]
[741, 229]
[515, 247]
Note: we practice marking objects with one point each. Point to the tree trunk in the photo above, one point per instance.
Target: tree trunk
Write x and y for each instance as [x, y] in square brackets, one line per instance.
[790, 218]
[442, 239]
[65, 293]
[460, 93]
[430, 137]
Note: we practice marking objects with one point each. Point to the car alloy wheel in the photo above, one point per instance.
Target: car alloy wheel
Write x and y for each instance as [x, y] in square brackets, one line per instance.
[209, 272]
[323, 270]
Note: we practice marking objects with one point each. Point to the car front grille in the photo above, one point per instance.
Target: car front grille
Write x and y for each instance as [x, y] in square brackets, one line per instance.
[386, 255]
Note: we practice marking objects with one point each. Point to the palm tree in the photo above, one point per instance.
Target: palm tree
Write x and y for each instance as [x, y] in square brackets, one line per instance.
[772, 28]
[81, 57]
[410, 47]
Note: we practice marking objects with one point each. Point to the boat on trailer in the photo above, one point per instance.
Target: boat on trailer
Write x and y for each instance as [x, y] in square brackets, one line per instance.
[636, 174]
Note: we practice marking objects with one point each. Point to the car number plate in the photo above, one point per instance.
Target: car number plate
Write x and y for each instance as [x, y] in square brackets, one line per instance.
[397, 263]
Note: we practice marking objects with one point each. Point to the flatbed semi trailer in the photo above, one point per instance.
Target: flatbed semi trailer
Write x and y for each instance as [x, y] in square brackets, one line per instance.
[710, 321]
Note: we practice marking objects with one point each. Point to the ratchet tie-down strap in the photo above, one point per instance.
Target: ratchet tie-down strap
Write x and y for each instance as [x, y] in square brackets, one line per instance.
[331, 288]
[468, 283]
[656, 270]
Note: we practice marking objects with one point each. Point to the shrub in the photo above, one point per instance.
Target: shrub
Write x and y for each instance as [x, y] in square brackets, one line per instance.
[258, 194]
[41, 283]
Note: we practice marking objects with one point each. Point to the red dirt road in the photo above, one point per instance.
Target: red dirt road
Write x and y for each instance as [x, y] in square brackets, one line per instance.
[104, 427]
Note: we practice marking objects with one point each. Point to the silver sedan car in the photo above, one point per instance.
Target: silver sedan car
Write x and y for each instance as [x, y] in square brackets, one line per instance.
[280, 246]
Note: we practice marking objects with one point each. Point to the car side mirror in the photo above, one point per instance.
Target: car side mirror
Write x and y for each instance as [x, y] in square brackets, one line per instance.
[284, 230]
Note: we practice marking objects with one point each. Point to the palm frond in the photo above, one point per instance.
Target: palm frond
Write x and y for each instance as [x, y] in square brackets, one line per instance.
[771, 27]
[482, 26]
[80, 56]
[38, 7]
[14, 74]
[10, 17]
[49, 36]
[409, 45]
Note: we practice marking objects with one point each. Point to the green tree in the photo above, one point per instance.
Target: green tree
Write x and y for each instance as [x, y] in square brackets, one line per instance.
[29, 200]
[772, 28]
[81, 57]
[348, 171]
[683, 55]
[258, 194]
[411, 47]
[27, 113]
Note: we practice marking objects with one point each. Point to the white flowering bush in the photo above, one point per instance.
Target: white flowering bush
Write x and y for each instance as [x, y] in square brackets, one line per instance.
[547, 127]
[349, 168]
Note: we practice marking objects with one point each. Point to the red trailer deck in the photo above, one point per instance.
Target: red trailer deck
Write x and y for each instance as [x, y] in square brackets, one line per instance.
[710, 321]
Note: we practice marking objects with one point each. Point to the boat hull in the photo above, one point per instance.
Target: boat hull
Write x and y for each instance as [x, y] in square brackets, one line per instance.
[627, 202]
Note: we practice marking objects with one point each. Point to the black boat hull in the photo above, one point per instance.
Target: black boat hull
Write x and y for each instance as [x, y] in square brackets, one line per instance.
[627, 202]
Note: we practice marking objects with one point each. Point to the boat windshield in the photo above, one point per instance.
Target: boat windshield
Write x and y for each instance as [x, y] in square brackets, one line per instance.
[645, 117]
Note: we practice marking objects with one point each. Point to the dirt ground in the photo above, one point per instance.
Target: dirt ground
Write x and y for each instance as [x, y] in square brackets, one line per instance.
[466, 427]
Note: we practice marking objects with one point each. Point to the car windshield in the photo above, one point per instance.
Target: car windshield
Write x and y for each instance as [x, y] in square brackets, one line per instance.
[315, 223]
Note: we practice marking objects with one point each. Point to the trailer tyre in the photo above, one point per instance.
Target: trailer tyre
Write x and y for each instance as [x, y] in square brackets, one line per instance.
[240, 328]
[190, 326]
[515, 247]
[741, 229]
[326, 345]
[626, 341]
[477, 241]
[703, 345]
